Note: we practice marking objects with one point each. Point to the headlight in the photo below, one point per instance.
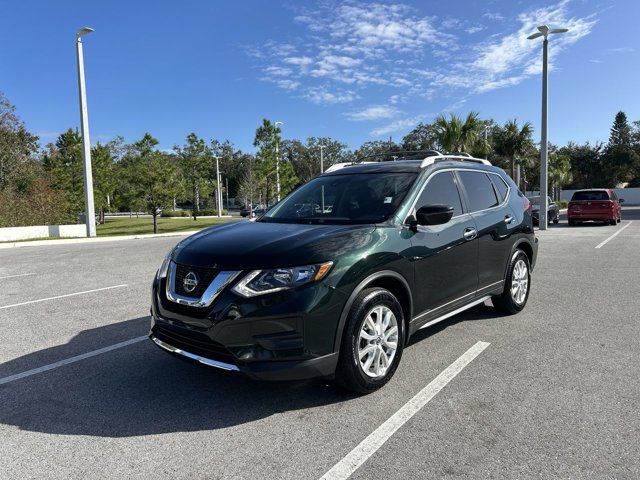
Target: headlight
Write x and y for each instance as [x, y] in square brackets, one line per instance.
[260, 282]
[164, 267]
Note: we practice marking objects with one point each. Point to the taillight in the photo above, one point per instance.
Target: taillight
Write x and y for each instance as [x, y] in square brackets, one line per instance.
[527, 203]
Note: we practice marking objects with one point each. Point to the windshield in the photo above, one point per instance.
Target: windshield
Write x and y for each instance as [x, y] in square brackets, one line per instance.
[338, 199]
[594, 195]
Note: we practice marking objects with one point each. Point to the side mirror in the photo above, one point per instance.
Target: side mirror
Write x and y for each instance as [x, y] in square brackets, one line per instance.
[621, 200]
[434, 214]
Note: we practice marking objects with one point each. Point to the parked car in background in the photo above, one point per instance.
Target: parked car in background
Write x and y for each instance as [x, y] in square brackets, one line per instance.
[553, 211]
[597, 204]
[334, 279]
[257, 210]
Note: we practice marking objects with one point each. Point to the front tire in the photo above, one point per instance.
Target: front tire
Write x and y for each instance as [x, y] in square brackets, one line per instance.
[517, 285]
[372, 342]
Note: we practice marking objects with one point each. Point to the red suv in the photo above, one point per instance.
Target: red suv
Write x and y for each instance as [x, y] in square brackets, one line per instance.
[596, 204]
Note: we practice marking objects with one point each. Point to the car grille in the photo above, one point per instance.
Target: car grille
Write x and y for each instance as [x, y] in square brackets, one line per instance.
[196, 343]
[205, 276]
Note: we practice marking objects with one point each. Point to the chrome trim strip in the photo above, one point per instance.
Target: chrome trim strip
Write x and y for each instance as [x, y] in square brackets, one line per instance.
[455, 300]
[455, 312]
[206, 361]
[213, 290]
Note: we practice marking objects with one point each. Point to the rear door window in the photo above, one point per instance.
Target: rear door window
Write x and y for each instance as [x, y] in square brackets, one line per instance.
[479, 190]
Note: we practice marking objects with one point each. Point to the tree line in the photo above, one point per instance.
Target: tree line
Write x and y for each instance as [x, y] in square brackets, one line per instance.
[45, 185]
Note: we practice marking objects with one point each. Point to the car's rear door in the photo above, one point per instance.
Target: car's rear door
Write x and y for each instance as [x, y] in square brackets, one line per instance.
[445, 257]
[487, 198]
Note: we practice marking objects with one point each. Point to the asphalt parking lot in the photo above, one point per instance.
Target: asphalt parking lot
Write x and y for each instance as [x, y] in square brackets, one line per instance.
[554, 394]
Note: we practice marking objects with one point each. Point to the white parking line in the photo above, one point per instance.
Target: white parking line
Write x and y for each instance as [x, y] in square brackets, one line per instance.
[69, 360]
[18, 275]
[602, 244]
[354, 459]
[62, 296]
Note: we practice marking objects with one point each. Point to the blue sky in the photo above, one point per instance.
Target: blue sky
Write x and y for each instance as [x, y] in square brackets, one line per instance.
[354, 71]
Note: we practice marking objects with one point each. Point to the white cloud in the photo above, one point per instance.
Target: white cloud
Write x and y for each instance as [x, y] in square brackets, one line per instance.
[323, 96]
[351, 50]
[374, 112]
[397, 125]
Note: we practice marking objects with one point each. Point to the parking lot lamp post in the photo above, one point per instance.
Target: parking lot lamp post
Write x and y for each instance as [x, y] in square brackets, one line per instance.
[543, 31]
[89, 211]
[218, 191]
[277, 162]
[322, 147]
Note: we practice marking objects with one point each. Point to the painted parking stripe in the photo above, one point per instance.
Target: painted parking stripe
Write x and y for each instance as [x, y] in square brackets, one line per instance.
[69, 360]
[354, 459]
[62, 296]
[18, 275]
[602, 244]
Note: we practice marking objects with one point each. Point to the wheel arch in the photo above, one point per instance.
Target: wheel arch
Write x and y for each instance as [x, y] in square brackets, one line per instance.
[389, 280]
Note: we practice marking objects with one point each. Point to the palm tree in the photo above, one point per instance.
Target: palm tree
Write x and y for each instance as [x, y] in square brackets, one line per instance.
[456, 135]
[559, 173]
[512, 141]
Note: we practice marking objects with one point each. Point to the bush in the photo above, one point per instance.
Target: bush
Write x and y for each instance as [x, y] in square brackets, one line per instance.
[563, 203]
[208, 212]
[175, 213]
[38, 205]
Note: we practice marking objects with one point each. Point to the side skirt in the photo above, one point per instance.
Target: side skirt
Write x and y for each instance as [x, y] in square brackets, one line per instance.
[455, 312]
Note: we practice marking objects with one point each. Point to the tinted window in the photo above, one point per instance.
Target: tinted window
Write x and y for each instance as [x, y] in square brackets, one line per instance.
[441, 190]
[501, 187]
[479, 190]
[590, 195]
[355, 198]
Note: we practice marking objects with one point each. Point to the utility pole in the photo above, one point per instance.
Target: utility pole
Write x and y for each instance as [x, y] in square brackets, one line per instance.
[543, 31]
[89, 210]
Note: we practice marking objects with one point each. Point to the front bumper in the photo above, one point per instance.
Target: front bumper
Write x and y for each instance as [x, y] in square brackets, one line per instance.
[324, 366]
[286, 335]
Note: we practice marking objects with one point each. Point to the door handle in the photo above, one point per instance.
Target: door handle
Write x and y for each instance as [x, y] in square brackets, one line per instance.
[470, 233]
[508, 219]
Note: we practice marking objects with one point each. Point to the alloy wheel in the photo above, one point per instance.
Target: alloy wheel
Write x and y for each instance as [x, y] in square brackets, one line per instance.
[378, 341]
[519, 282]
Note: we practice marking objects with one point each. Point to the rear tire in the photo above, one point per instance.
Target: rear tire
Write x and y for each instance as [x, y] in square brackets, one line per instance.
[368, 336]
[517, 285]
[572, 223]
[613, 221]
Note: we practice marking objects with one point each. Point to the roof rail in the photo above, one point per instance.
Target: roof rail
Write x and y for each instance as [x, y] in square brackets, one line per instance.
[458, 157]
[401, 155]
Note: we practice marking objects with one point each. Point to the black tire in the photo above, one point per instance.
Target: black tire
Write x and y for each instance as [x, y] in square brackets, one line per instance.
[556, 218]
[505, 302]
[613, 222]
[349, 374]
[572, 223]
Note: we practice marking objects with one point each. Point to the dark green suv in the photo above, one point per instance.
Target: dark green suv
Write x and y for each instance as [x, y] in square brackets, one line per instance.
[333, 280]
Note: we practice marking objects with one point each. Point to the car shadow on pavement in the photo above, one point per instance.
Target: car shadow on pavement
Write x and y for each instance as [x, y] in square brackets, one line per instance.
[477, 313]
[140, 390]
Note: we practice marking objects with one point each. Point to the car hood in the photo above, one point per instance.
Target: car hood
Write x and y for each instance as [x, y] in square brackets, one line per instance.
[257, 245]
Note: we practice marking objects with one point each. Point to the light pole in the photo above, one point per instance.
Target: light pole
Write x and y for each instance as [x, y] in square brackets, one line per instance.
[486, 142]
[277, 163]
[218, 189]
[89, 210]
[322, 147]
[543, 31]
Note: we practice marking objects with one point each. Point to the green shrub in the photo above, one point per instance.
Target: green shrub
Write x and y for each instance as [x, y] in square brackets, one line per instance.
[563, 203]
[175, 213]
[206, 212]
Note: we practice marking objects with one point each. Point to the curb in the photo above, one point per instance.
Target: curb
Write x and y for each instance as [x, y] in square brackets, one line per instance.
[115, 238]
